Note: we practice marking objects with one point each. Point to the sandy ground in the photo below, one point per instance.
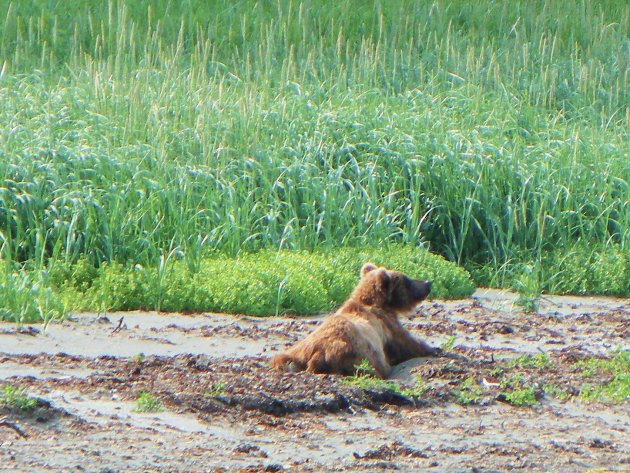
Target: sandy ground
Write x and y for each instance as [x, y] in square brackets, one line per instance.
[225, 410]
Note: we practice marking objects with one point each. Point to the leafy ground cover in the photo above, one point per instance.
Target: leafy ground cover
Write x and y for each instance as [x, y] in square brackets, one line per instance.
[495, 135]
[262, 283]
[16, 398]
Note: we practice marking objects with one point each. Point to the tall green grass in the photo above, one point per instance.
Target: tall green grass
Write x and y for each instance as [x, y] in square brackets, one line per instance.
[495, 133]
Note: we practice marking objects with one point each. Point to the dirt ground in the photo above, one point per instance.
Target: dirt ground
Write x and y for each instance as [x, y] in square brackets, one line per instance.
[224, 409]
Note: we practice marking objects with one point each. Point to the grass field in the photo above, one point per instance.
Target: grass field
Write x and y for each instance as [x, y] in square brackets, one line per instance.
[493, 133]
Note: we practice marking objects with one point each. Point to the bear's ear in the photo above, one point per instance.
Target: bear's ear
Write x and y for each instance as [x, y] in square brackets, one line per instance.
[367, 267]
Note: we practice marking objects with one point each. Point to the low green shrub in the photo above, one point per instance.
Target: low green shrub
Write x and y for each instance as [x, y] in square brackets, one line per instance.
[215, 390]
[16, 398]
[587, 271]
[539, 360]
[516, 389]
[147, 402]
[619, 363]
[448, 345]
[365, 378]
[469, 392]
[556, 392]
[617, 389]
[263, 283]
[522, 397]
[26, 297]
[576, 269]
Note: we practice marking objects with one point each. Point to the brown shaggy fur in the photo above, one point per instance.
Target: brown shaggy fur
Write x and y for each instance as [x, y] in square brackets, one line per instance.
[366, 326]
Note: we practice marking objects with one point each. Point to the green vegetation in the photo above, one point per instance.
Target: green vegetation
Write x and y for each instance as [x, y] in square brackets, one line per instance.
[612, 383]
[617, 389]
[364, 370]
[579, 270]
[144, 136]
[539, 361]
[521, 381]
[17, 398]
[469, 392]
[263, 283]
[529, 289]
[555, 391]
[497, 371]
[448, 345]
[522, 397]
[147, 402]
[215, 390]
[371, 382]
[25, 297]
[417, 391]
[619, 363]
[365, 378]
[512, 381]
[138, 357]
[516, 390]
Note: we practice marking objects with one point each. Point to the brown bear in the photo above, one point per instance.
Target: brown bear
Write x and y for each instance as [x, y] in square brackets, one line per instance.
[366, 326]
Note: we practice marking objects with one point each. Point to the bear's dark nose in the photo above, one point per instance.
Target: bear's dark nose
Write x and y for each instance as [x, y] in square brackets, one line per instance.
[429, 284]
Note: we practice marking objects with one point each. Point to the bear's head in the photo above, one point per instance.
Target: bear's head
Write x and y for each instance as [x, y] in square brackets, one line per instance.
[389, 289]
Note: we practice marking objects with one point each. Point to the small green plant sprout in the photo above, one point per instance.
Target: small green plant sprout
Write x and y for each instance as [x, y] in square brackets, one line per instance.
[529, 304]
[515, 381]
[529, 290]
[469, 392]
[517, 392]
[554, 391]
[364, 369]
[420, 387]
[448, 345]
[147, 402]
[497, 372]
[365, 378]
[138, 357]
[16, 398]
[215, 390]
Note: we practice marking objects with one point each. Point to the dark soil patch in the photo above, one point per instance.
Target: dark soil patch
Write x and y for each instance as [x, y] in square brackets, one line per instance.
[214, 385]
[207, 385]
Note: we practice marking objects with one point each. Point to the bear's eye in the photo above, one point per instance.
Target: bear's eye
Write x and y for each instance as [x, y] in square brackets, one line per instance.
[408, 284]
[399, 287]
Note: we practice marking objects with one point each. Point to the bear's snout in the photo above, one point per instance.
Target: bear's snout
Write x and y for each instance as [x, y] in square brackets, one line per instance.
[423, 288]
